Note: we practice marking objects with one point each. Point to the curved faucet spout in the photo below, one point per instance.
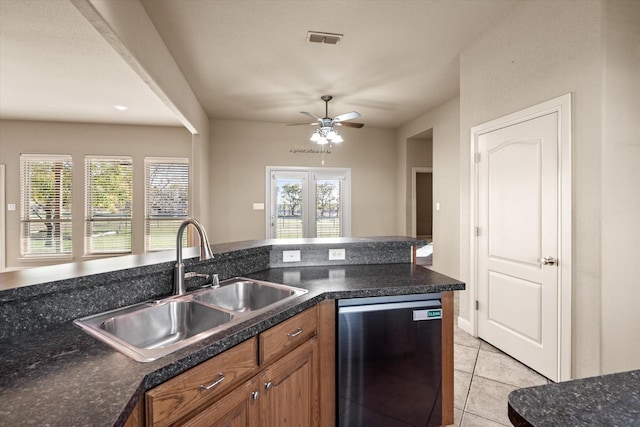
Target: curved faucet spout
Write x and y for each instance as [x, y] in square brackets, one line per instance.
[205, 253]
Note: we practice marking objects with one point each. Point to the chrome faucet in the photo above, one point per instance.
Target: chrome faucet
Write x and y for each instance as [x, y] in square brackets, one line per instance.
[179, 287]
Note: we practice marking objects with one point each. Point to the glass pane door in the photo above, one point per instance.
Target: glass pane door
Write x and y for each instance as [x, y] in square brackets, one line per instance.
[288, 212]
[308, 203]
[328, 207]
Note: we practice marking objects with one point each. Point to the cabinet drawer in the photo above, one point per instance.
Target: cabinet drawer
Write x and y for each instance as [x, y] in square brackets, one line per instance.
[282, 338]
[180, 395]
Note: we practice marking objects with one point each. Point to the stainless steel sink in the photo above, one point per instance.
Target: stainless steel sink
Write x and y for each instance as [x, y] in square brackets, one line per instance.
[242, 295]
[150, 330]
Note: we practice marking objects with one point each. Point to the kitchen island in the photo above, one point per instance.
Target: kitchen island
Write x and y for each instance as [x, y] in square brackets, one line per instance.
[607, 400]
[58, 375]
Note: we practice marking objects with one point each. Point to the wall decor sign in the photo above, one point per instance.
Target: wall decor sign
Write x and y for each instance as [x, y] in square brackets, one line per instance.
[306, 149]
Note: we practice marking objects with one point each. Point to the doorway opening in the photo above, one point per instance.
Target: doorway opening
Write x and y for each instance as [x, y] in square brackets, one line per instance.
[422, 209]
[419, 160]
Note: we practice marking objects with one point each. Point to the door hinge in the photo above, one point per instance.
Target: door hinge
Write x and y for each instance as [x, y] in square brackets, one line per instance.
[477, 231]
[478, 157]
[477, 305]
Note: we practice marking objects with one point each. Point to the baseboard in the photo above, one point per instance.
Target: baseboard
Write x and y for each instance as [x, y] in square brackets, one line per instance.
[465, 325]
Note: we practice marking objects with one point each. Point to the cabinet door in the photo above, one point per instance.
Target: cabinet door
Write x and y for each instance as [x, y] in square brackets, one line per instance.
[290, 389]
[237, 409]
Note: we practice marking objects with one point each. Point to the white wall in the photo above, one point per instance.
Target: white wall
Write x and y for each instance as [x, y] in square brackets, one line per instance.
[79, 139]
[241, 150]
[545, 49]
[445, 122]
[621, 188]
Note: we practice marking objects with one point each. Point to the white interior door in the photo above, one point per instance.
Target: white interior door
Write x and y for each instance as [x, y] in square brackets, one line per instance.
[517, 241]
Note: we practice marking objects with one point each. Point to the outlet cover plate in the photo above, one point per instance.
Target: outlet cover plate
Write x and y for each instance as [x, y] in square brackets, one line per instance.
[336, 254]
[290, 256]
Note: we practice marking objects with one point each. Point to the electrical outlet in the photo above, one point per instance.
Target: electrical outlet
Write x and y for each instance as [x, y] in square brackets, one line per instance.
[336, 254]
[290, 256]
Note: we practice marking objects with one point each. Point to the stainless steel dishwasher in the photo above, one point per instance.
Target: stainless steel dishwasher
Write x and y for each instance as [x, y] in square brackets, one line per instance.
[389, 361]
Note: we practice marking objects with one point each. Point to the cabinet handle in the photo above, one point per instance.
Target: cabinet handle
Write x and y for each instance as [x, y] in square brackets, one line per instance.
[268, 385]
[295, 334]
[255, 395]
[213, 384]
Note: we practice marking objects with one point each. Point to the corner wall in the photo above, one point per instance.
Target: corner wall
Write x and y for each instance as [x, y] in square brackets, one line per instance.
[445, 122]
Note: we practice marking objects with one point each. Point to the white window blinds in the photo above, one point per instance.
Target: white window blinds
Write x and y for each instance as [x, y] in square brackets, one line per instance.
[108, 204]
[166, 201]
[45, 208]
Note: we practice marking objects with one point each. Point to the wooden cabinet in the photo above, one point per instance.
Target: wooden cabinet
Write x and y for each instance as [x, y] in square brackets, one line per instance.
[269, 380]
[290, 389]
[239, 408]
[200, 385]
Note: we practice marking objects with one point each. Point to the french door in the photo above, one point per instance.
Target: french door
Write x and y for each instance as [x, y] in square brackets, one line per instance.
[308, 202]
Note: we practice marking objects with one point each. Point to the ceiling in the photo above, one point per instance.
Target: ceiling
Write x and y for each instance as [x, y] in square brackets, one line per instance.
[244, 60]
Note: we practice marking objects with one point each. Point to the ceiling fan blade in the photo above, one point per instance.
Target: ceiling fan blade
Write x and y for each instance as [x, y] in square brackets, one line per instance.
[311, 115]
[346, 116]
[350, 124]
[308, 124]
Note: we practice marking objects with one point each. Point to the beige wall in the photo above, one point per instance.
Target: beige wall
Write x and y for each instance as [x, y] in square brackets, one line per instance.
[620, 188]
[543, 50]
[18, 137]
[445, 122]
[240, 152]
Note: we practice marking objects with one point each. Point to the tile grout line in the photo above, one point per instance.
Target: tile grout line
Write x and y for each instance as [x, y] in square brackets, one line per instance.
[473, 372]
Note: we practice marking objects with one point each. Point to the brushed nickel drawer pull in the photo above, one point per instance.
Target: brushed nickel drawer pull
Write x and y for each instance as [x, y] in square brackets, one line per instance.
[295, 334]
[213, 384]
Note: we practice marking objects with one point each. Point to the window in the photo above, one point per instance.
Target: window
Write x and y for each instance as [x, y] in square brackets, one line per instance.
[329, 205]
[45, 207]
[308, 203]
[166, 201]
[109, 191]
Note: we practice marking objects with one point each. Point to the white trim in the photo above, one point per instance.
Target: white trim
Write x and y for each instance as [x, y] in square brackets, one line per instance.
[414, 196]
[561, 106]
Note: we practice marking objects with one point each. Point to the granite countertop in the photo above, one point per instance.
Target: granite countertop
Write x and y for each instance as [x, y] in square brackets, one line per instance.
[607, 400]
[64, 377]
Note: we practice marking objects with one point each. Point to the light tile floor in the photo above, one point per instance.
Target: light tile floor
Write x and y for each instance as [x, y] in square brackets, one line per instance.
[483, 378]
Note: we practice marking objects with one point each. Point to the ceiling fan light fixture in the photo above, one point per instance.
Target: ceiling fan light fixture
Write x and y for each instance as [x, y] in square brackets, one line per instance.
[337, 139]
[315, 136]
[322, 141]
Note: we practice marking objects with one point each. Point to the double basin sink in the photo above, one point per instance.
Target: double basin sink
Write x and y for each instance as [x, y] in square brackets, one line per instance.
[150, 330]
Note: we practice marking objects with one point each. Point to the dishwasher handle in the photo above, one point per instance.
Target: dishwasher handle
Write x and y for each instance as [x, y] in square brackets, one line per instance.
[428, 304]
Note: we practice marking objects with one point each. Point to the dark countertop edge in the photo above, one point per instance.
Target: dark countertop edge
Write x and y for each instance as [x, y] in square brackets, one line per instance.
[573, 402]
[45, 277]
[184, 359]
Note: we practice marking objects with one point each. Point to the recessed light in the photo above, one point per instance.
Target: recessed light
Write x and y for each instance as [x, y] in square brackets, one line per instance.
[121, 107]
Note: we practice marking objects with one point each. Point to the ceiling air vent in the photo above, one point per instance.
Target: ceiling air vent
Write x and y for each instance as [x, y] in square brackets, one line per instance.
[326, 38]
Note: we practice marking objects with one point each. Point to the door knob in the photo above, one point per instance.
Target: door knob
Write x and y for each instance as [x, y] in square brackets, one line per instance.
[548, 260]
